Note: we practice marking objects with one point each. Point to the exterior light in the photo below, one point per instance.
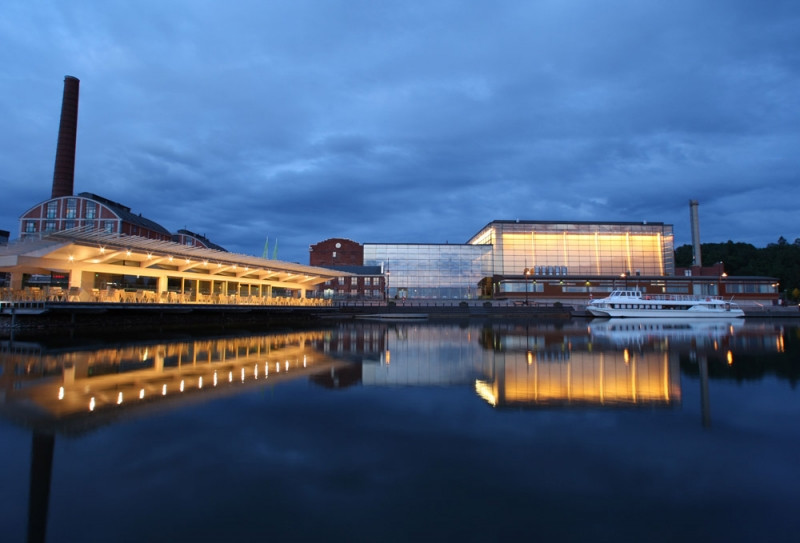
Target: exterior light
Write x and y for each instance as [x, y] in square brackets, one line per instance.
[128, 252]
[91, 404]
[71, 258]
[170, 258]
[149, 256]
[730, 358]
[200, 382]
[182, 385]
[242, 375]
[102, 250]
[164, 389]
[119, 398]
[255, 371]
[188, 260]
[60, 393]
[215, 377]
[141, 394]
[230, 377]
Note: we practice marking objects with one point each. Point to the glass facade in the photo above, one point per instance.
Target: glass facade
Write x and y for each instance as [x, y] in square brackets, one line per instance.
[585, 249]
[431, 270]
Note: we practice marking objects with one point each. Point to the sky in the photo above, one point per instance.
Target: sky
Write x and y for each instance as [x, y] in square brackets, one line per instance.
[409, 121]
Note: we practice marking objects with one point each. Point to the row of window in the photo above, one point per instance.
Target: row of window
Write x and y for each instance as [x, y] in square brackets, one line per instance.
[90, 211]
[33, 226]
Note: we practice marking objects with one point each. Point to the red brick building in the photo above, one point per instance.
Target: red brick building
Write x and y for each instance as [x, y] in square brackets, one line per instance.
[346, 255]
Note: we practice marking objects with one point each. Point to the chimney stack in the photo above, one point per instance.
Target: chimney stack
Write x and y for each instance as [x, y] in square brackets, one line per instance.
[64, 171]
[695, 221]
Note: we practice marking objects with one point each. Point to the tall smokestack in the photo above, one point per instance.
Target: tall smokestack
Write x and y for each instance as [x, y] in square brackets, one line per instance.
[64, 171]
[695, 220]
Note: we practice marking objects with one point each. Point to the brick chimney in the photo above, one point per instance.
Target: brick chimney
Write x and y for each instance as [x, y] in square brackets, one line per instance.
[64, 171]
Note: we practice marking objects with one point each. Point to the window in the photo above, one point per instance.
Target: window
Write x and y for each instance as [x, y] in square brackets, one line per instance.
[52, 208]
[91, 210]
[72, 206]
[368, 281]
[354, 281]
[108, 227]
[341, 281]
[69, 224]
[50, 226]
[30, 227]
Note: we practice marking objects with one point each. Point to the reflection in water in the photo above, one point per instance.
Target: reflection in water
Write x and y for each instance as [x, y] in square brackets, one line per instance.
[71, 391]
[508, 364]
[611, 362]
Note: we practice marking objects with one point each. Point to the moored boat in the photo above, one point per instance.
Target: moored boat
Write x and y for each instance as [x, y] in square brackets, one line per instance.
[634, 303]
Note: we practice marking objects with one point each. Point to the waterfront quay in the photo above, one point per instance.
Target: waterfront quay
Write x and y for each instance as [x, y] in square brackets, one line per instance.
[59, 315]
[124, 315]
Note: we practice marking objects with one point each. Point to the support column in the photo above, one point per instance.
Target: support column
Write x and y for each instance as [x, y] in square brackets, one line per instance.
[162, 285]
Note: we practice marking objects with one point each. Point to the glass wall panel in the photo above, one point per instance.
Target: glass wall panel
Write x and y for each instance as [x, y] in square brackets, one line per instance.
[580, 248]
[431, 271]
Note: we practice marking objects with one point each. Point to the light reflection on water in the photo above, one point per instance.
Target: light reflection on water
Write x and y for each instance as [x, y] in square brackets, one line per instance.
[467, 431]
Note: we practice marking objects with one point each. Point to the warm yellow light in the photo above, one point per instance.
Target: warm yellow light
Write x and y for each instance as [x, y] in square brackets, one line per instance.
[170, 258]
[182, 385]
[71, 258]
[230, 377]
[102, 250]
[388, 357]
[164, 389]
[200, 382]
[626, 356]
[530, 358]
[60, 393]
[304, 361]
[215, 378]
[242, 375]
[128, 252]
[484, 390]
[287, 365]
[119, 398]
[141, 394]
[91, 404]
[149, 256]
[255, 371]
[730, 358]
[277, 367]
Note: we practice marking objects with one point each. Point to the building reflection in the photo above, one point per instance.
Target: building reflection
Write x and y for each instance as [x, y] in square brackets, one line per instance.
[75, 390]
[596, 364]
[599, 364]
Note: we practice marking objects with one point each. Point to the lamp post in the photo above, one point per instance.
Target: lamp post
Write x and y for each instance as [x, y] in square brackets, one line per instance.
[527, 273]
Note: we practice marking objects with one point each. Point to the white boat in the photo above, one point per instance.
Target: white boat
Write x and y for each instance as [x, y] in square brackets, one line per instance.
[634, 303]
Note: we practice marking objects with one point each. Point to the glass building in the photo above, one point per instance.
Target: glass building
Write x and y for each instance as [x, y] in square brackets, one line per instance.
[578, 248]
[444, 271]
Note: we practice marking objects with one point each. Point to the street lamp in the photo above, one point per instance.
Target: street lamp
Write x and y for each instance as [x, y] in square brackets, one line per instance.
[527, 273]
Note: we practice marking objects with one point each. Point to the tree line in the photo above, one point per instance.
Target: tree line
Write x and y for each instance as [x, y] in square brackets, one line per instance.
[780, 260]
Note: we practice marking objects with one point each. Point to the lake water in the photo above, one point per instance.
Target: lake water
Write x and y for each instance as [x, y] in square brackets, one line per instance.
[467, 431]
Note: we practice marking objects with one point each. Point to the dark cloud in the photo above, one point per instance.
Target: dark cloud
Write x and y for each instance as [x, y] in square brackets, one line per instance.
[410, 122]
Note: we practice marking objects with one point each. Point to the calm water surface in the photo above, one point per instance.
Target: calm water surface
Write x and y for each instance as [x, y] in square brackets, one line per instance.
[578, 431]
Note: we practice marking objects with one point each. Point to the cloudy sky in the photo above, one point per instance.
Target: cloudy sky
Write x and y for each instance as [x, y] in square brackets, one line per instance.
[410, 121]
